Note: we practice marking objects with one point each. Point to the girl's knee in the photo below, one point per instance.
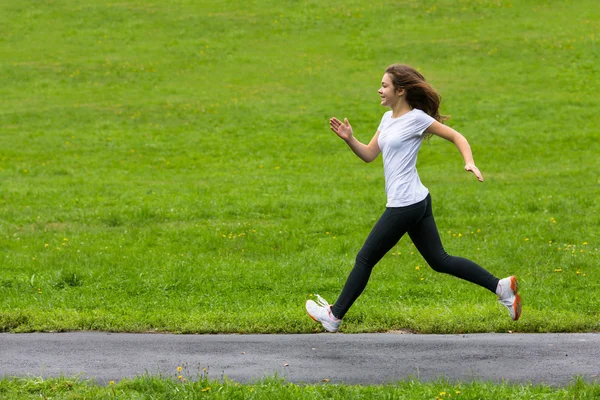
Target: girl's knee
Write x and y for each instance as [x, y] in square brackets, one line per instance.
[440, 263]
[364, 259]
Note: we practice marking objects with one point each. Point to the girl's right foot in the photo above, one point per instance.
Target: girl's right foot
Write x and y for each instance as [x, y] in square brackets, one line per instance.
[508, 296]
[320, 311]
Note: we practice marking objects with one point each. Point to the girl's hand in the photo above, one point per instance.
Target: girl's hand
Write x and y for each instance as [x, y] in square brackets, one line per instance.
[342, 129]
[475, 170]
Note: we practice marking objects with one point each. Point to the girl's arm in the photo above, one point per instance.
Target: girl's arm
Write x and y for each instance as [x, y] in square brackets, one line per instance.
[367, 153]
[461, 143]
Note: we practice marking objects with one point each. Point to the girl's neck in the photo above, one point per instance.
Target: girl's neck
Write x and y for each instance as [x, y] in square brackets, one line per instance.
[400, 108]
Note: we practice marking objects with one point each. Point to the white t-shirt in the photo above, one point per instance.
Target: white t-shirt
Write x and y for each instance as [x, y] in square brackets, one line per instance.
[400, 140]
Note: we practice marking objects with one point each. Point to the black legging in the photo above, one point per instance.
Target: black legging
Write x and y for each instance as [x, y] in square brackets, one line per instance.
[418, 221]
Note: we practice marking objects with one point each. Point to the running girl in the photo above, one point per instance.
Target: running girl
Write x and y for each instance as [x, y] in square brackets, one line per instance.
[414, 115]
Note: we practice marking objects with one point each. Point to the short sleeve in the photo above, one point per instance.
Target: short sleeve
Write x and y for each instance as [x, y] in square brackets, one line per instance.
[423, 121]
[383, 119]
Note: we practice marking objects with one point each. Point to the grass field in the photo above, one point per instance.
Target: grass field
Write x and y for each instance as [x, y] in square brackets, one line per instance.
[274, 388]
[167, 166]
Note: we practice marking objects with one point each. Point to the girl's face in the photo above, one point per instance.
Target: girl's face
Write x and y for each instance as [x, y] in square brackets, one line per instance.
[389, 95]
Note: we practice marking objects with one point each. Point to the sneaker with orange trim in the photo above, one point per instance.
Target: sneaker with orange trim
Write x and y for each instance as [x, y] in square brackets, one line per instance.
[509, 297]
[320, 311]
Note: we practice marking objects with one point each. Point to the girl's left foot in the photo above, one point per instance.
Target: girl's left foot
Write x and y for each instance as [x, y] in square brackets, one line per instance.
[508, 296]
[320, 311]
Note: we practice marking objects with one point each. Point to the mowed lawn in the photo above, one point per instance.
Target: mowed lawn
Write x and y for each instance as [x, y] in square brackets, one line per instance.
[168, 166]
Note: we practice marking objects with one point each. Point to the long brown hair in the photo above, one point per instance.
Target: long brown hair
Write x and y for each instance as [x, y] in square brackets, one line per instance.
[419, 93]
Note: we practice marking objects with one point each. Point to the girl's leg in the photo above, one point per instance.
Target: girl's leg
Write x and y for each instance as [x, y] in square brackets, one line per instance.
[392, 225]
[426, 238]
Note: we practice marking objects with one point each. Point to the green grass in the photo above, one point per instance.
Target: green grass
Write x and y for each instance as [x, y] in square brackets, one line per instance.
[167, 166]
[148, 387]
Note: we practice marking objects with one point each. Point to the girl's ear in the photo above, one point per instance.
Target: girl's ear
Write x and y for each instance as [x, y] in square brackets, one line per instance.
[401, 92]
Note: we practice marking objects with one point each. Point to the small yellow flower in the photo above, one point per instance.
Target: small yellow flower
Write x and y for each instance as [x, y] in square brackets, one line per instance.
[206, 389]
[46, 245]
[179, 369]
[422, 279]
[558, 270]
[111, 382]
[526, 239]
[458, 392]
[418, 268]
[180, 377]
[442, 393]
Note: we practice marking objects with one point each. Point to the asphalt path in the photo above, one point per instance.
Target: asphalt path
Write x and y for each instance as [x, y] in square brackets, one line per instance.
[553, 359]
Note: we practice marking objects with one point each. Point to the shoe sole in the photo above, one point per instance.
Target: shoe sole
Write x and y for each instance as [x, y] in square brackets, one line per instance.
[517, 307]
[515, 288]
[313, 318]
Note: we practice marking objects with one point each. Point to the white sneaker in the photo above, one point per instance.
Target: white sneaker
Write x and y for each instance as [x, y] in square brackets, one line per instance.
[320, 311]
[508, 296]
